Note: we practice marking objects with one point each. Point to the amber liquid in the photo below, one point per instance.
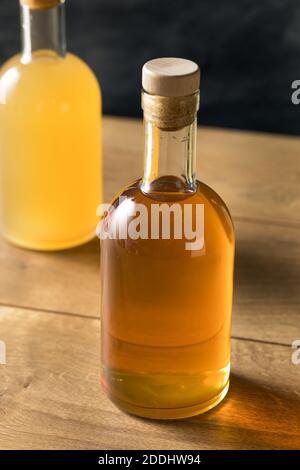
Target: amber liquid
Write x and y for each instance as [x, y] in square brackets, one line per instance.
[166, 311]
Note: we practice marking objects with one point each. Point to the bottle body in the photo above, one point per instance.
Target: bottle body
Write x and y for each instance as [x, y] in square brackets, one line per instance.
[167, 251]
[166, 311]
[50, 151]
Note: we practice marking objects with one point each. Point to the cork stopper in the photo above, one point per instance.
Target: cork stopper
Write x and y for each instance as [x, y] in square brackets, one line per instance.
[170, 76]
[41, 4]
[170, 99]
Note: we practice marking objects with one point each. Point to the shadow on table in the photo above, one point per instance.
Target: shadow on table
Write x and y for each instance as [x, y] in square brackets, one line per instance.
[250, 417]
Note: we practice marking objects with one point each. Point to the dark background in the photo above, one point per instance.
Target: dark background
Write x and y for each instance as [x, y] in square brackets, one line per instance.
[248, 50]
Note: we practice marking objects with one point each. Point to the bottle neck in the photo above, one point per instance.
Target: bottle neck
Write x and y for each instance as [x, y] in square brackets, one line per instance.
[170, 158]
[43, 31]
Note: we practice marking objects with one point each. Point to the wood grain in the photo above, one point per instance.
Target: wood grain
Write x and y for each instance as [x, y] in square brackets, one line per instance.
[266, 281]
[256, 174]
[50, 395]
[66, 281]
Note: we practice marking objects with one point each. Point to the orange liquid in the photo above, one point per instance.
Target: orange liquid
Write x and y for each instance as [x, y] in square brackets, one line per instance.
[50, 151]
[166, 313]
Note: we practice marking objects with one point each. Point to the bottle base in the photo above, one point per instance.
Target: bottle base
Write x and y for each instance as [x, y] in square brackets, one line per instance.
[59, 246]
[170, 413]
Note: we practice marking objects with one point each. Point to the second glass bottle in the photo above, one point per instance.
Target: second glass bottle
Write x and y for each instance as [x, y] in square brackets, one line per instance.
[50, 137]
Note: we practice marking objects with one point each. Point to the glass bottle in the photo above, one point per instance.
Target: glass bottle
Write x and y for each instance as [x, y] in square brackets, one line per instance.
[166, 301]
[50, 137]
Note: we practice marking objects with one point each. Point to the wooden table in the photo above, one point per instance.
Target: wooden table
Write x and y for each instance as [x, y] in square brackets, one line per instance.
[50, 395]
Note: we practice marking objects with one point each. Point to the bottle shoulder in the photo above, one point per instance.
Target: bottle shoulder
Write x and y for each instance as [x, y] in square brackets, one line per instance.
[131, 201]
[214, 207]
[204, 194]
[83, 66]
[10, 63]
[47, 75]
[212, 198]
[44, 62]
